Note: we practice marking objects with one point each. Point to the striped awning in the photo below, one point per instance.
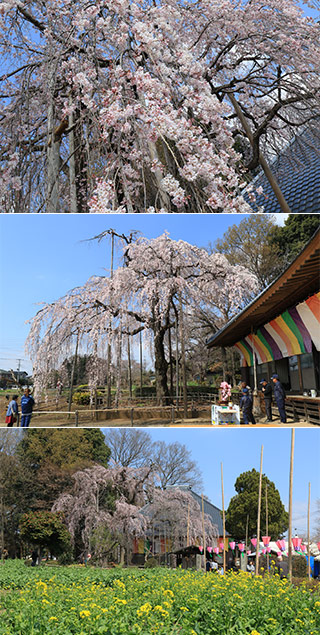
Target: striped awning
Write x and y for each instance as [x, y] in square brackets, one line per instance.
[291, 333]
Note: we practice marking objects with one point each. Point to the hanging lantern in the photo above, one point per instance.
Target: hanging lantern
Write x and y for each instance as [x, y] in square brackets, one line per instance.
[254, 541]
[318, 545]
[232, 545]
[268, 549]
[216, 550]
[266, 540]
[296, 543]
[241, 546]
[221, 545]
[209, 549]
[303, 548]
[281, 545]
[200, 548]
[279, 554]
[264, 551]
[248, 552]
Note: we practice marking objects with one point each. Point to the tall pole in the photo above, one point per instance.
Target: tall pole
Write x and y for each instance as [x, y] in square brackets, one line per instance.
[188, 526]
[141, 379]
[203, 534]
[177, 364]
[267, 523]
[129, 367]
[290, 507]
[183, 362]
[109, 343]
[72, 374]
[308, 532]
[259, 512]
[223, 522]
[270, 176]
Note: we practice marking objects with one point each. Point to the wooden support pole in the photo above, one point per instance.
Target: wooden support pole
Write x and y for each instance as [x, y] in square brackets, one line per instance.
[72, 374]
[290, 507]
[223, 522]
[267, 524]
[259, 512]
[203, 534]
[188, 526]
[308, 533]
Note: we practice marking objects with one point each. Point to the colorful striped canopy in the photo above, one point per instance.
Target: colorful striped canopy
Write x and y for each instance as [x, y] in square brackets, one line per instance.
[291, 333]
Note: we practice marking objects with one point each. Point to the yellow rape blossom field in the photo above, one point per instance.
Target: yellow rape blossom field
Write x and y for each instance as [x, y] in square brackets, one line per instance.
[91, 601]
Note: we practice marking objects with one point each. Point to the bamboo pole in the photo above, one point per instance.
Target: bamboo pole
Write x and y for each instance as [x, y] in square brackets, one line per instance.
[109, 334]
[183, 361]
[267, 523]
[290, 506]
[259, 512]
[223, 522]
[72, 374]
[177, 364]
[141, 362]
[203, 534]
[308, 532]
[188, 526]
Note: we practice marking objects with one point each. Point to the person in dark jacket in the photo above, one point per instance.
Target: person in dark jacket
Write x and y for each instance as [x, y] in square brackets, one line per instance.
[267, 393]
[27, 403]
[246, 407]
[280, 397]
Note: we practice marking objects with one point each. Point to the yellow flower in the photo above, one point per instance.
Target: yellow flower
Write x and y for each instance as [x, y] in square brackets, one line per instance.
[84, 614]
[53, 619]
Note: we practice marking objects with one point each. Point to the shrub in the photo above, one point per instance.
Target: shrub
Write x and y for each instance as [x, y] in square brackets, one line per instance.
[150, 563]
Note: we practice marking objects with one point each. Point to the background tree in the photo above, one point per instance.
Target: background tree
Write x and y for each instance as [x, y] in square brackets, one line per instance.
[36, 466]
[58, 447]
[45, 530]
[174, 466]
[289, 240]
[248, 244]
[129, 448]
[143, 296]
[171, 462]
[244, 507]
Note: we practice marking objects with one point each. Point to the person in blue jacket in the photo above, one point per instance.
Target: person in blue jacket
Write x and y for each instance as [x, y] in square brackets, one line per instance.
[27, 403]
[246, 407]
[280, 397]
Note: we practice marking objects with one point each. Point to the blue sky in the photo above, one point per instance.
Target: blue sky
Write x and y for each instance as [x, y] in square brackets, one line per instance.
[239, 451]
[42, 257]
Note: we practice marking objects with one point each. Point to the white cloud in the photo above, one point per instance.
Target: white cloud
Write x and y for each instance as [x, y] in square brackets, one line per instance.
[280, 218]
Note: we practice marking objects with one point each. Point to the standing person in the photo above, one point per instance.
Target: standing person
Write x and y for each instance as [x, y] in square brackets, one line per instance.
[280, 397]
[246, 407]
[12, 412]
[27, 403]
[267, 393]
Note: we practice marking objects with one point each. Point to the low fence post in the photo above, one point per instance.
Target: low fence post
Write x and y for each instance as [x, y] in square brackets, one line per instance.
[172, 414]
[131, 416]
[77, 418]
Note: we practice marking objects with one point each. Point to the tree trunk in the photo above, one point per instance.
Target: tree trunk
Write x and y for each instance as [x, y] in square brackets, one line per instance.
[161, 367]
[53, 162]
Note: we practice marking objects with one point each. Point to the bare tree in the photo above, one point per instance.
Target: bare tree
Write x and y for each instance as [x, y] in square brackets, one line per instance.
[129, 448]
[174, 466]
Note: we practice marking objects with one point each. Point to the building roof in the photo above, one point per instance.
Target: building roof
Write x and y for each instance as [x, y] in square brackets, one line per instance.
[297, 171]
[299, 280]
